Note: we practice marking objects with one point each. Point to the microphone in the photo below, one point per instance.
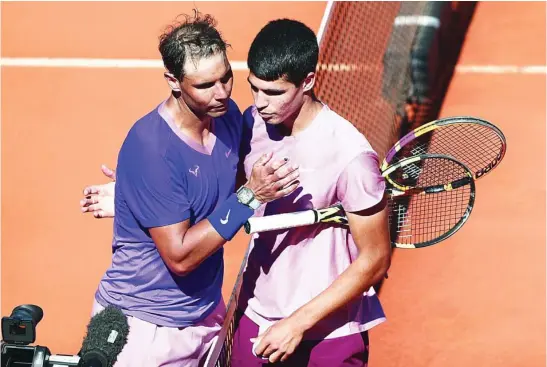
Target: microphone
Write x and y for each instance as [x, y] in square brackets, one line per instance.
[106, 336]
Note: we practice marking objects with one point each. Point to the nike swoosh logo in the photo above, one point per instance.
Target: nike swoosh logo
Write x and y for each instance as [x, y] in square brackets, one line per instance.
[225, 220]
[228, 153]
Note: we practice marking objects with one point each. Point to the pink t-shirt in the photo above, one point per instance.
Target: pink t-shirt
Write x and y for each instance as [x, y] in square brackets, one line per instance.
[288, 268]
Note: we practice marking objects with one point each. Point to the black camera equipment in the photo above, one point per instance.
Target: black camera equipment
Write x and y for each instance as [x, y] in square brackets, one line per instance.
[18, 331]
[105, 338]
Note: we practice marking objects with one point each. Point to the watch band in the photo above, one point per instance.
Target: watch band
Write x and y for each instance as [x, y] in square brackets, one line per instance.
[246, 196]
[254, 204]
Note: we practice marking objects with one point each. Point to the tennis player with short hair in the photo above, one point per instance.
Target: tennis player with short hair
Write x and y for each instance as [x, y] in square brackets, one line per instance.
[176, 206]
[307, 292]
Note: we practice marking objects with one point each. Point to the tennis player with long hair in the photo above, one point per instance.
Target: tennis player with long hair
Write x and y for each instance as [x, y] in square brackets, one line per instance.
[307, 297]
[176, 205]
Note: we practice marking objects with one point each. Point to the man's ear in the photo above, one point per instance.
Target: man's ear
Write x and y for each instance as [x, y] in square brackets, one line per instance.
[173, 82]
[309, 82]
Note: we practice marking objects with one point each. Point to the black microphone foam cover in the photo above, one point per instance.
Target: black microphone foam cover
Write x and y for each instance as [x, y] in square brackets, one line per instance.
[106, 336]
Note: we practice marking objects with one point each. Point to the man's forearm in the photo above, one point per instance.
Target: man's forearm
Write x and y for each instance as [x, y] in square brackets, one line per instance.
[184, 246]
[202, 240]
[363, 273]
[199, 242]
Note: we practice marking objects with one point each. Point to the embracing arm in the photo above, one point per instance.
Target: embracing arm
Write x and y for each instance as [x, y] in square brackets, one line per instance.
[184, 247]
[370, 233]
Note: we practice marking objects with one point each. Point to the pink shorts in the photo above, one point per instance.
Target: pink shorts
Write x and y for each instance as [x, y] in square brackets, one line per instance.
[150, 345]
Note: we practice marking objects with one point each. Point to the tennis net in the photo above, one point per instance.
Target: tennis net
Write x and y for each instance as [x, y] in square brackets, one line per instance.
[364, 71]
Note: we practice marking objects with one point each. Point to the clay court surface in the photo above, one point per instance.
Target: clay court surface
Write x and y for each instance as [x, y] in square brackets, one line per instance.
[478, 299]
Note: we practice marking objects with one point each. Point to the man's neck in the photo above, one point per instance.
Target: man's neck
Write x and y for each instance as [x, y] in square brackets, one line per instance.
[303, 118]
[187, 121]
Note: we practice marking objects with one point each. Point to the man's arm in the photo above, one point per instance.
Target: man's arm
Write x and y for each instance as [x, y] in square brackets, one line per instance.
[361, 191]
[369, 229]
[201, 240]
[184, 247]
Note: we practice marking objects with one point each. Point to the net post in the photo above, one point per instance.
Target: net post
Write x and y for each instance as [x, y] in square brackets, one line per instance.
[324, 21]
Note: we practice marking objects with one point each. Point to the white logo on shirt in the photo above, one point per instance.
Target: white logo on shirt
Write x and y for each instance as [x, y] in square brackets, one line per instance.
[225, 220]
[228, 152]
[195, 171]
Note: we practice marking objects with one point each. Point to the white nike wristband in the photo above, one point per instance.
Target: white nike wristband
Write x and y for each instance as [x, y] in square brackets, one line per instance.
[228, 218]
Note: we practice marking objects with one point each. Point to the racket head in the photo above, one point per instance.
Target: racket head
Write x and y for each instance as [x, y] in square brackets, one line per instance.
[475, 142]
[439, 202]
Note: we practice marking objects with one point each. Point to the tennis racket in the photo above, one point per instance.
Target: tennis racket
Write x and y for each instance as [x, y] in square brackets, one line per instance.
[435, 207]
[477, 143]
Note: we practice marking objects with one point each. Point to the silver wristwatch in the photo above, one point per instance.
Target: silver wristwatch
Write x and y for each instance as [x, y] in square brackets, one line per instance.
[246, 196]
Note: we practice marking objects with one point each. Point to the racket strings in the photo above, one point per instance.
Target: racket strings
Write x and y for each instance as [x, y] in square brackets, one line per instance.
[403, 221]
[224, 358]
[428, 172]
[422, 218]
[474, 145]
[485, 148]
[411, 171]
[221, 350]
[425, 218]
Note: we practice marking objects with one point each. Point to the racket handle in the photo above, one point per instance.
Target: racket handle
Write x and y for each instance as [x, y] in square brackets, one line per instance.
[280, 221]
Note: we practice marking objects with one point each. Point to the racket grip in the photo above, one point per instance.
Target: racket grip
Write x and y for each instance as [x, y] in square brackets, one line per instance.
[280, 221]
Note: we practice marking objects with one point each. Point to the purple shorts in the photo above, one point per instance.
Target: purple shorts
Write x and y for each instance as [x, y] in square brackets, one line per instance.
[346, 351]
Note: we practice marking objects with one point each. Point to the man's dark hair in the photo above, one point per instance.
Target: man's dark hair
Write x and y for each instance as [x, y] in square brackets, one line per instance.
[195, 37]
[284, 48]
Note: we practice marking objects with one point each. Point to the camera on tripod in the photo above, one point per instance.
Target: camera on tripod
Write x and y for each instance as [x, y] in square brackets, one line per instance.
[18, 331]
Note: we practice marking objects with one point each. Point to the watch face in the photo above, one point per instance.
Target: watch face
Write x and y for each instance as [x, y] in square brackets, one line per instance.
[245, 195]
